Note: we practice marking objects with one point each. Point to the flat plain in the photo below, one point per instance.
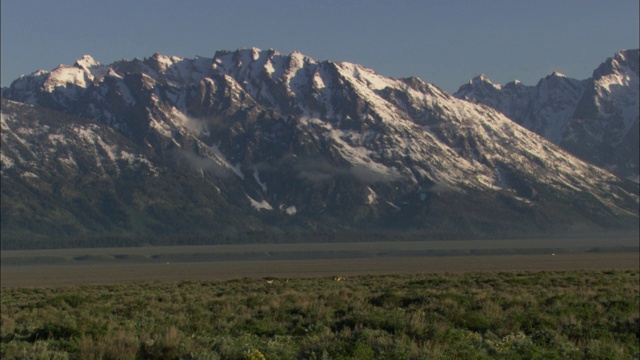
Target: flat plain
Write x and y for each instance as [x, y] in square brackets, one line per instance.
[29, 268]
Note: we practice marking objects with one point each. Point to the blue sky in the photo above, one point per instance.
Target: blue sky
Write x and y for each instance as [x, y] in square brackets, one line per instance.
[443, 42]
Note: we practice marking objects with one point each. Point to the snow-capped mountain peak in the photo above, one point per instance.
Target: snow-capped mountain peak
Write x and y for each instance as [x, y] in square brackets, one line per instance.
[86, 61]
[341, 144]
[514, 83]
[64, 75]
[483, 80]
[596, 118]
[163, 62]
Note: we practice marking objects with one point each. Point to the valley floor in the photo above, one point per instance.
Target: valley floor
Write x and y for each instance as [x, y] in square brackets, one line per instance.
[37, 268]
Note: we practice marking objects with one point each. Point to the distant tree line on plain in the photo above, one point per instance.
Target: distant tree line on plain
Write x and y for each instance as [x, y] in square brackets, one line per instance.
[22, 242]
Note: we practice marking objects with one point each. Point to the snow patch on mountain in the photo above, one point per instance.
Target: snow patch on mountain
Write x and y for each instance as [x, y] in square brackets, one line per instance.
[6, 162]
[372, 197]
[259, 205]
[291, 210]
[256, 176]
[220, 159]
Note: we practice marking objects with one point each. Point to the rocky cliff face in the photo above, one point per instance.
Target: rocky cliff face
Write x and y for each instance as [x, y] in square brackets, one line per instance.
[595, 119]
[256, 140]
[604, 126]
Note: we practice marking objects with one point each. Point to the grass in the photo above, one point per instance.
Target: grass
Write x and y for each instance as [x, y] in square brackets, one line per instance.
[507, 315]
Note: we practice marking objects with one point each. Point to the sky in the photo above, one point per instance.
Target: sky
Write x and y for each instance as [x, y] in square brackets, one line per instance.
[442, 42]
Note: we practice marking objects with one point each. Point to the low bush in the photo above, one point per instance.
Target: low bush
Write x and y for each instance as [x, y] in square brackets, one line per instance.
[550, 315]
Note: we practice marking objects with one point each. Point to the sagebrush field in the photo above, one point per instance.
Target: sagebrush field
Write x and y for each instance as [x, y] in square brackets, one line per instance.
[488, 315]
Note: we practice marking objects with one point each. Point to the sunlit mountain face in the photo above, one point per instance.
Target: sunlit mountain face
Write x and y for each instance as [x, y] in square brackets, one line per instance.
[595, 119]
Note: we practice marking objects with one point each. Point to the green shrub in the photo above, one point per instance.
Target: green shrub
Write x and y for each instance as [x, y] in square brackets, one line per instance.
[524, 315]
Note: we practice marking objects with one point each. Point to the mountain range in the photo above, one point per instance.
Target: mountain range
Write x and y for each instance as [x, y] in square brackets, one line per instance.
[595, 119]
[254, 145]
